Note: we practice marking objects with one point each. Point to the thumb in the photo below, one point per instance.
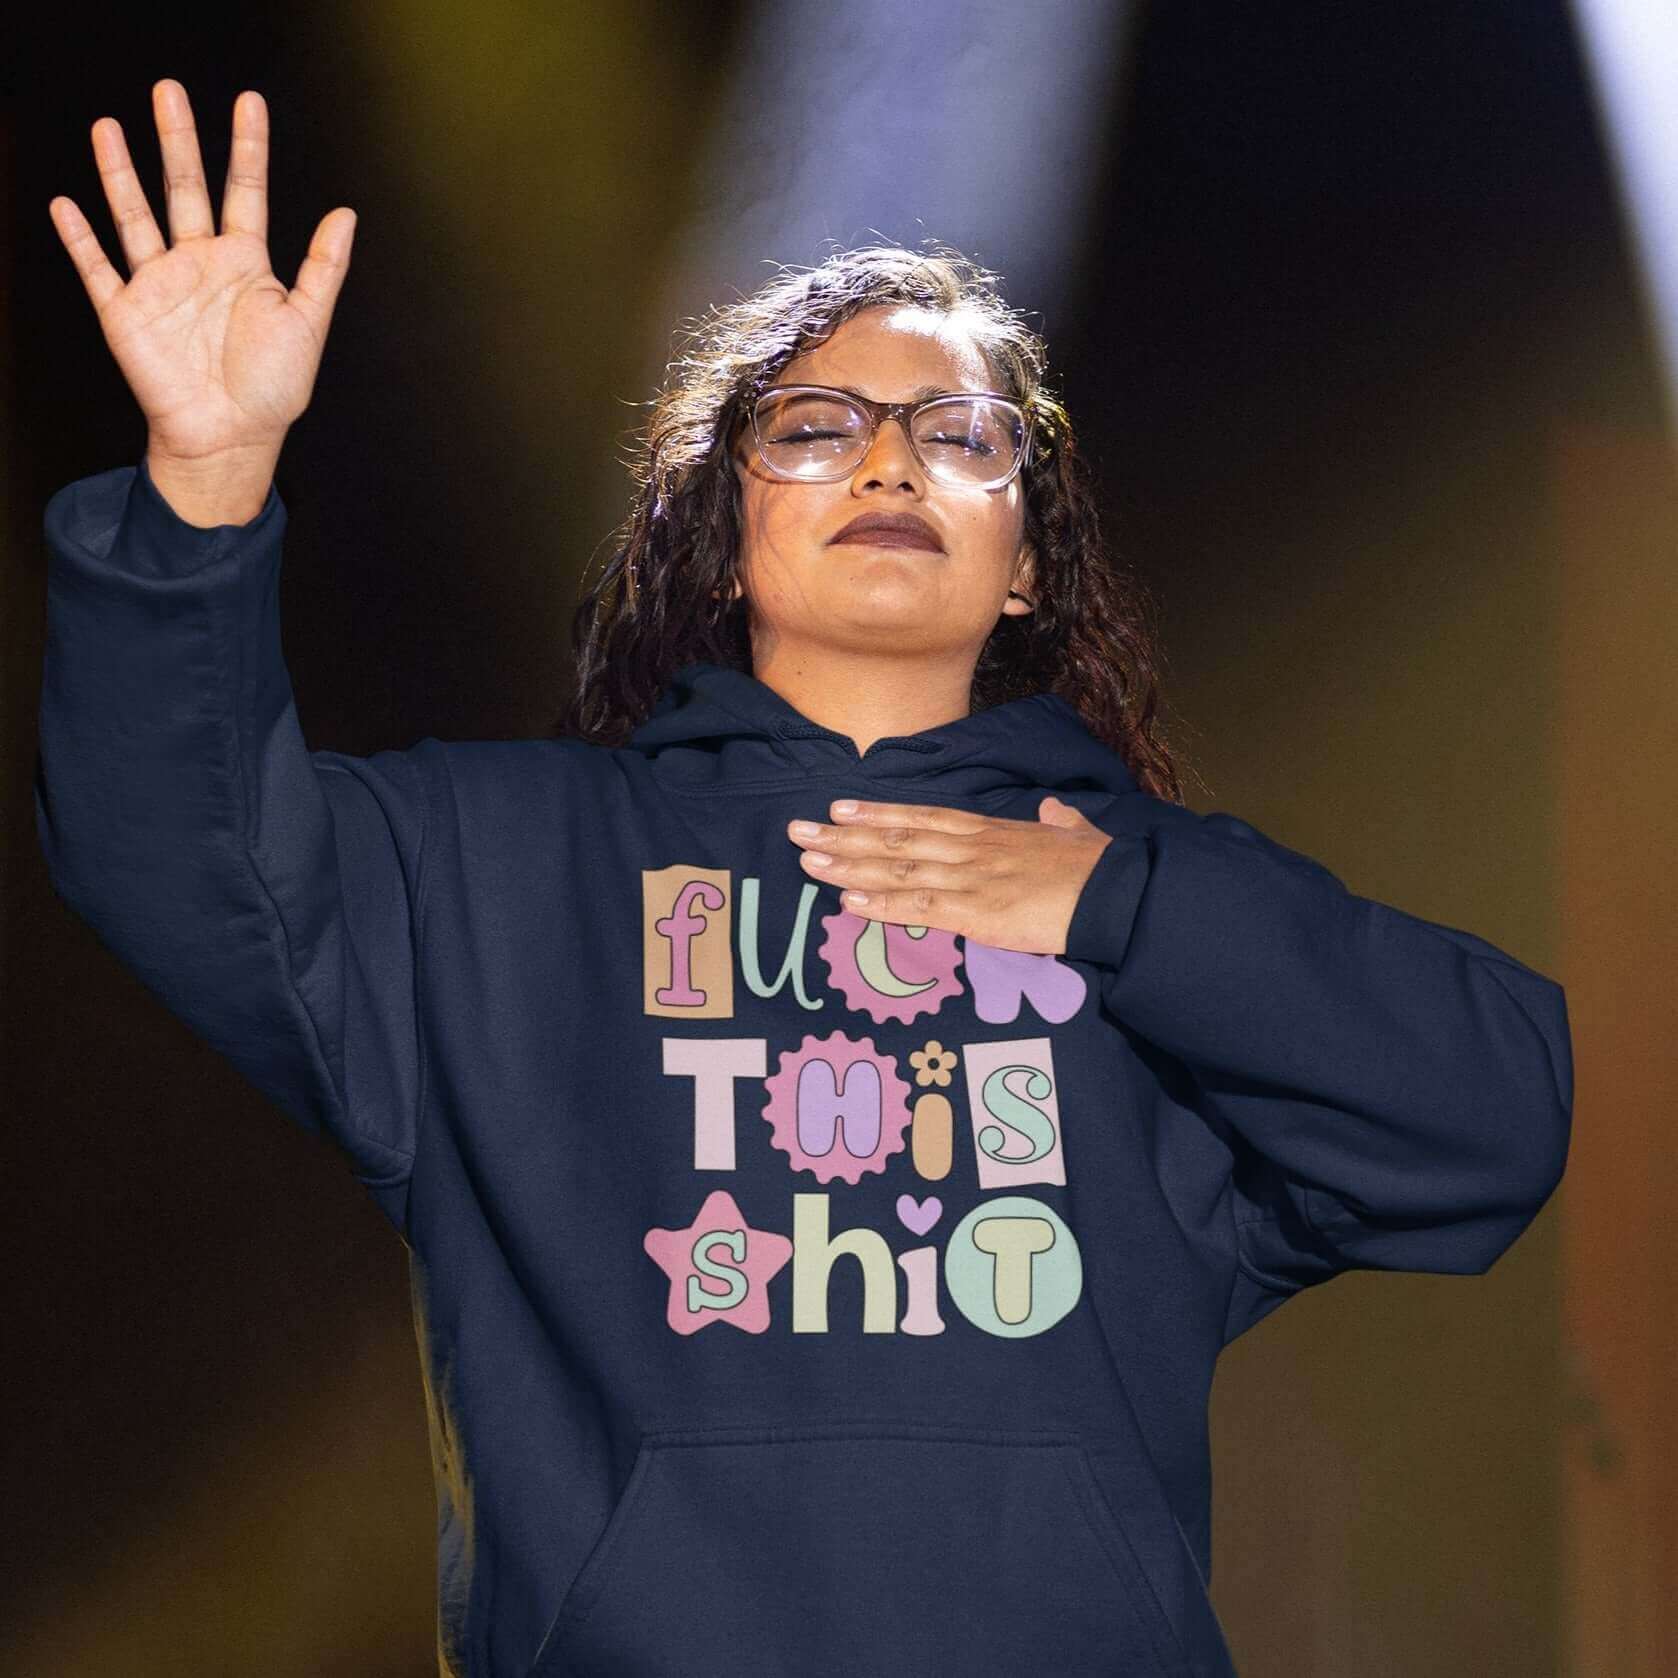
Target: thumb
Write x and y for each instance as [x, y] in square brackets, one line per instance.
[1058, 813]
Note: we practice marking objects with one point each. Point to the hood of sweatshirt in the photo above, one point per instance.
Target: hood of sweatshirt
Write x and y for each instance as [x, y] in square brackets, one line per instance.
[723, 729]
[797, 1289]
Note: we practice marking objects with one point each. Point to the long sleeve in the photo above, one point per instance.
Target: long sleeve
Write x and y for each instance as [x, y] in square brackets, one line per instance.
[1399, 1092]
[266, 894]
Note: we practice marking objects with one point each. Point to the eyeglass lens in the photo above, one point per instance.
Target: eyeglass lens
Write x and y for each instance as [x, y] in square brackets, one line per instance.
[961, 440]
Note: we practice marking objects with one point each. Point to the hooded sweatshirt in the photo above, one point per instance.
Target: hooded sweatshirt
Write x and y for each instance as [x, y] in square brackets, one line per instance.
[795, 1293]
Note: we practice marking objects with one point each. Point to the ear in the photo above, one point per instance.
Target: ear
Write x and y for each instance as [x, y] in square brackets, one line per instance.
[1023, 585]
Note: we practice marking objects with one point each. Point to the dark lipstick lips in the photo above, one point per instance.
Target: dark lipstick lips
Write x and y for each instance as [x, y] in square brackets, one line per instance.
[899, 531]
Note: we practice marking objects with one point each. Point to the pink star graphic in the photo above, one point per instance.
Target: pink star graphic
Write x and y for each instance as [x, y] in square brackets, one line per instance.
[733, 1286]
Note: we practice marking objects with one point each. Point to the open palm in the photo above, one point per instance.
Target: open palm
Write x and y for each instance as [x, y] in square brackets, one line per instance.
[219, 354]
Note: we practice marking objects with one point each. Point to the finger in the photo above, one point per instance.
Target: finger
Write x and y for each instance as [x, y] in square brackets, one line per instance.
[943, 910]
[874, 873]
[136, 230]
[932, 816]
[321, 277]
[184, 192]
[102, 281]
[1057, 813]
[887, 841]
[244, 200]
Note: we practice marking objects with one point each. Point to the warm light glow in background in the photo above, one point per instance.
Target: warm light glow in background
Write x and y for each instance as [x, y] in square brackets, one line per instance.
[1631, 49]
[1370, 324]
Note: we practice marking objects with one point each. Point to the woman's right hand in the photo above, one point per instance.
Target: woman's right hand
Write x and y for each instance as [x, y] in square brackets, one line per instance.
[219, 355]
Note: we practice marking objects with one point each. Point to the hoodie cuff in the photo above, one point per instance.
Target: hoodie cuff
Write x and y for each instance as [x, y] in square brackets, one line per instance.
[1105, 912]
[160, 543]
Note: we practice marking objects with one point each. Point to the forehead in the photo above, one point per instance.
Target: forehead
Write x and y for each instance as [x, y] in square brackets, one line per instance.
[889, 353]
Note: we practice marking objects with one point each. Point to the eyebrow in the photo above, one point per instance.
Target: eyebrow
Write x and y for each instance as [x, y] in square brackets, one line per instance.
[920, 394]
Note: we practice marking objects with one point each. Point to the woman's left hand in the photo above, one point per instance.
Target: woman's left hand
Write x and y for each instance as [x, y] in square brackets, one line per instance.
[1010, 884]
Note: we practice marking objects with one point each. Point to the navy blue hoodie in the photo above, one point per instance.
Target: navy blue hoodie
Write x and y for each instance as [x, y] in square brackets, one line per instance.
[796, 1293]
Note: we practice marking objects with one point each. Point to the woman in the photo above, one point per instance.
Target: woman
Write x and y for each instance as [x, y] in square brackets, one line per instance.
[822, 1237]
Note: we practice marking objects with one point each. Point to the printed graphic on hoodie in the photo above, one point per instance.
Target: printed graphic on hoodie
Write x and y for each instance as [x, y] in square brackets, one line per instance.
[839, 1107]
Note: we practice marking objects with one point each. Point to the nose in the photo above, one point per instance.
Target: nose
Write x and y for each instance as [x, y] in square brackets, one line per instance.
[890, 459]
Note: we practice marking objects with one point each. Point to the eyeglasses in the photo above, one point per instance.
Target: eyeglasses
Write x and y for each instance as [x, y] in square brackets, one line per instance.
[811, 434]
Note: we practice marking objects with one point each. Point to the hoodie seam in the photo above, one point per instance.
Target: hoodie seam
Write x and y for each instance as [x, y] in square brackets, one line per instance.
[430, 826]
[1242, 1265]
[417, 897]
[243, 720]
[1270, 1284]
[231, 638]
[849, 781]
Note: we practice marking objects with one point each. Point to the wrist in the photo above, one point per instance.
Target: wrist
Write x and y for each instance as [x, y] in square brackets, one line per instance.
[229, 487]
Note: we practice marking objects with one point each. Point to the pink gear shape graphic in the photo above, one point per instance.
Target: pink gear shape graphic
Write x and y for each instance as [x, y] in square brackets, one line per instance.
[926, 966]
[843, 1054]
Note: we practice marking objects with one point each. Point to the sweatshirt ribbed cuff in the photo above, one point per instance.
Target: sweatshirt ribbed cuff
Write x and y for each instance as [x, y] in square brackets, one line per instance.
[159, 542]
[1105, 911]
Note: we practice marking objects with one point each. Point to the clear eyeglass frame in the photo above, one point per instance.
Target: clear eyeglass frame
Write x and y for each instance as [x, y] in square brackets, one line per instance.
[904, 413]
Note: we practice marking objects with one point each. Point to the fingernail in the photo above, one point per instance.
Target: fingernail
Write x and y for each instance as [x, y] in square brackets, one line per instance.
[846, 806]
[805, 830]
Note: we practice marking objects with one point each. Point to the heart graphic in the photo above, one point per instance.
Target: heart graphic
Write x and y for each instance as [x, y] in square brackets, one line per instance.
[919, 1216]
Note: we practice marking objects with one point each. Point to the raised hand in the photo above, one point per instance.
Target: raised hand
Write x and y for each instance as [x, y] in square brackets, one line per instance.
[219, 354]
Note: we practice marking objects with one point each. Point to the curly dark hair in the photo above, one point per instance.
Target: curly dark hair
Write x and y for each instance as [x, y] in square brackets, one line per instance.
[663, 597]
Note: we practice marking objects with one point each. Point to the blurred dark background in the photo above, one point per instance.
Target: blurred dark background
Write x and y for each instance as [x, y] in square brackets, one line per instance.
[1345, 303]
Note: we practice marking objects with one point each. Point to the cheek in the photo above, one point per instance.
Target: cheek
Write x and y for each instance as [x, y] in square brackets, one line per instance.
[782, 527]
[990, 535]
[756, 529]
[768, 534]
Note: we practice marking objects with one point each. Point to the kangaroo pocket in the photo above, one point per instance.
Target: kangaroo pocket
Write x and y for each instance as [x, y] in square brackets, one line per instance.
[860, 1549]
